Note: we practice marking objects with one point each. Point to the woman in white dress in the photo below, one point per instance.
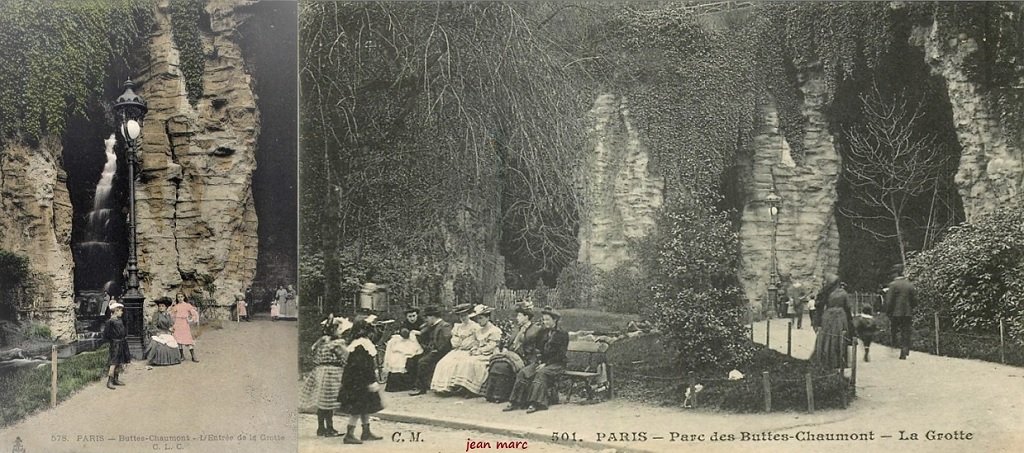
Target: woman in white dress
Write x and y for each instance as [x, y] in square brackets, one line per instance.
[471, 371]
[463, 341]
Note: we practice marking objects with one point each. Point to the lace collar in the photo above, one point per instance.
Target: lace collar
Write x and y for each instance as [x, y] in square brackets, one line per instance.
[366, 344]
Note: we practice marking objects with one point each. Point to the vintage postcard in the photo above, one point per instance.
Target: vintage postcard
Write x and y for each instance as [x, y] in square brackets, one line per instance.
[148, 235]
[660, 226]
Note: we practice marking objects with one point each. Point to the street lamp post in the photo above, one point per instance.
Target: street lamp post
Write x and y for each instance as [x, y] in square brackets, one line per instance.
[130, 110]
[774, 202]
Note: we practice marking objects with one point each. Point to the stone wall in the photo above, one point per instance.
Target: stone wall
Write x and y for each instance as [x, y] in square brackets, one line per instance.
[991, 171]
[196, 217]
[807, 239]
[36, 222]
[621, 195]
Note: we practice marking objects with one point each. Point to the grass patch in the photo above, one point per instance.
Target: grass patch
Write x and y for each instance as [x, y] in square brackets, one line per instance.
[26, 391]
[646, 371]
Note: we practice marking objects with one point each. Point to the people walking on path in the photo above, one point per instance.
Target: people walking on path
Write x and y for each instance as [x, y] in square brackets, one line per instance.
[530, 391]
[115, 332]
[184, 314]
[436, 341]
[241, 308]
[900, 300]
[360, 392]
[831, 341]
[320, 390]
[822, 298]
[279, 300]
[865, 326]
[798, 309]
[163, 348]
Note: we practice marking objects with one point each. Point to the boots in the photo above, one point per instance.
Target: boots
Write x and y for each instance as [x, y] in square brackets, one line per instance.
[116, 380]
[320, 428]
[110, 382]
[350, 438]
[329, 430]
[193, 352]
[367, 435]
[181, 352]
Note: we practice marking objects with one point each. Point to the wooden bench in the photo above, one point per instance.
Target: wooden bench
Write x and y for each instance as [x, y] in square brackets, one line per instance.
[584, 362]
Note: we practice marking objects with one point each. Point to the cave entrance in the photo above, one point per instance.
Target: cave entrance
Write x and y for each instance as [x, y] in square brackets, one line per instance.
[868, 244]
[97, 182]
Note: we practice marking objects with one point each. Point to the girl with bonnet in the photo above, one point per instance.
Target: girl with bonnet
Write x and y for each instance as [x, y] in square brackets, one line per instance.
[359, 396]
[321, 387]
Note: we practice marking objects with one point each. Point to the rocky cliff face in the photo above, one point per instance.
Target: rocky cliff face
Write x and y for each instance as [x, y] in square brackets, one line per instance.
[807, 240]
[36, 222]
[991, 171]
[196, 217]
[621, 195]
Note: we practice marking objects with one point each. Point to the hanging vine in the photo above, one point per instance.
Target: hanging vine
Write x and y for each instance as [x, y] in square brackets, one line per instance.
[185, 15]
[56, 56]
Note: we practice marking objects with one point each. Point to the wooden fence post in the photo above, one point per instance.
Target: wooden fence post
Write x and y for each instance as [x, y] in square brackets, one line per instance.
[53, 376]
[936, 333]
[767, 391]
[692, 384]
[768, 333]
[853, 367]
[809, 383]
[1002, 342]
[789, 339]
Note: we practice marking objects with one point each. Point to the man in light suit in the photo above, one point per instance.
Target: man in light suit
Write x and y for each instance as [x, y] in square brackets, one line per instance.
[900, 300]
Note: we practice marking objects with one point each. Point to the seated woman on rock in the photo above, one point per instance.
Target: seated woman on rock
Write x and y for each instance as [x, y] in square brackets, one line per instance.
[505, 363]
[469, 372]
[534, 381]
[163, 348]
[463, 341]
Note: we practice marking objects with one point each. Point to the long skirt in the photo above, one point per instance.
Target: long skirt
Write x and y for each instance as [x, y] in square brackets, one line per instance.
[532, 385]
[829, 345]
[458, 368]
[320, 390]
[119, 352]
[500, 379]
[163, 350]
[399, 382]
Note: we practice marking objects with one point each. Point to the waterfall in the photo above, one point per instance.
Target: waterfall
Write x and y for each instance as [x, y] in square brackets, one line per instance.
[107, 177]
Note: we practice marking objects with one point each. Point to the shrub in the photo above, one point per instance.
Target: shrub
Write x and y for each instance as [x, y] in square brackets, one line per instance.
[975, 274]
[621, 290]
[574, 287]
[690, 264]
[39, 331]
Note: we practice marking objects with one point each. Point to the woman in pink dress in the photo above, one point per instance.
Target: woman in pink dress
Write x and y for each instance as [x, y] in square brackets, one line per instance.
[184, 314]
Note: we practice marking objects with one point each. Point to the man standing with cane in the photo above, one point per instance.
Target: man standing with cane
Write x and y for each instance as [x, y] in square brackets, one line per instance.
[900, 300]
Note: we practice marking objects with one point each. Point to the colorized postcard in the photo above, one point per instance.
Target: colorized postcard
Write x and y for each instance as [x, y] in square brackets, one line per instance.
[148, 235]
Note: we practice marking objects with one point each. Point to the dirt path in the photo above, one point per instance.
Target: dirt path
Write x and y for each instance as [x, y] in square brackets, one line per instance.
[244, 386]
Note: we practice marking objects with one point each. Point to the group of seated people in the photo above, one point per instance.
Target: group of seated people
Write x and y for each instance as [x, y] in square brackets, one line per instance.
[469, 358]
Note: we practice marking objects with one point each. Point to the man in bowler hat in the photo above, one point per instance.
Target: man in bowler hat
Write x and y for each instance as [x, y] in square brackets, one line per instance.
[436, 339]
[900, 300]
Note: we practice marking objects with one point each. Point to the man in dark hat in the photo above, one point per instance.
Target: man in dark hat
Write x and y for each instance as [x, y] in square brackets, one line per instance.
[412, 320]
[436, 339]
[530, 391]
[900, 300]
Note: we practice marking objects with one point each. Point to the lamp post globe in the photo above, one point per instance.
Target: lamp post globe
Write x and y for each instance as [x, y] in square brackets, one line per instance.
[774, 202]
[130, 110]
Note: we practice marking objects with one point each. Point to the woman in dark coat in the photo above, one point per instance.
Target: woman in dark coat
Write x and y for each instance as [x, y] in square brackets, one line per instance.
[530, 390]
[506, 363]
[163, 348]
[836, 329]
[360, 391]
[115, 332]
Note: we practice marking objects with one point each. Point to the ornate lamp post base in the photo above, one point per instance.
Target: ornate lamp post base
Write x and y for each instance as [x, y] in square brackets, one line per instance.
[133, 322]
